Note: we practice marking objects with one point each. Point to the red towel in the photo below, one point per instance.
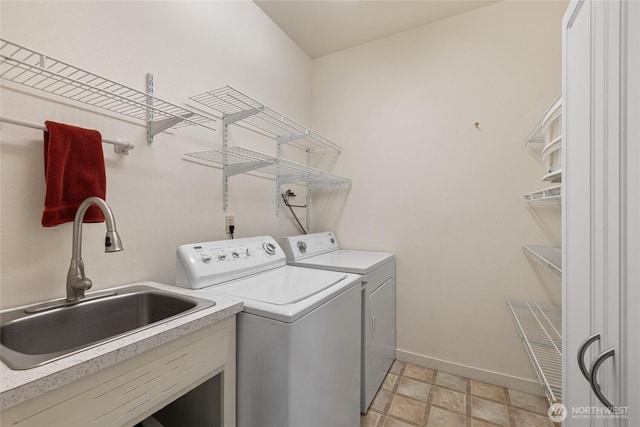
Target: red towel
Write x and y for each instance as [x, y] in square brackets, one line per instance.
[73, 170]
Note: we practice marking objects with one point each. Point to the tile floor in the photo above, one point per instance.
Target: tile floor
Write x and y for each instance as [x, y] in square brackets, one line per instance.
[415, 396]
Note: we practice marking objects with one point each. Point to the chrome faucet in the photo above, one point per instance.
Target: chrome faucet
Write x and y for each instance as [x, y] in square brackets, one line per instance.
[77, 282]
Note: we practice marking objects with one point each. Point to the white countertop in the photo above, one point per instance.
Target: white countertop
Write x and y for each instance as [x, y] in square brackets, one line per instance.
[16, 386]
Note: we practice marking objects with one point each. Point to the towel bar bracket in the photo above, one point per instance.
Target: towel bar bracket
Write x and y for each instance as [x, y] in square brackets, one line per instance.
[122, 149]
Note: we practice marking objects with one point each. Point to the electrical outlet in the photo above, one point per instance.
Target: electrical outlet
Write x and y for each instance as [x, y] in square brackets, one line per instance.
[228, 221]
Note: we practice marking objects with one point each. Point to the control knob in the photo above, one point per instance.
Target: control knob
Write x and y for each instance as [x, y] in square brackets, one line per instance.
[302, 246]
[206, 259]
[269, 248]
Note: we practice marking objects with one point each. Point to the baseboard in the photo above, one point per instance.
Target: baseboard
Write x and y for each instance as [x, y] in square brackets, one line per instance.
[503, 380]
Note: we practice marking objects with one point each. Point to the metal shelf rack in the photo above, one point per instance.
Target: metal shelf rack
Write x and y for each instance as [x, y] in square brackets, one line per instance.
[239, 108]
[552, 194]
[537, 133]
[547, 256]
[539, 327]
[36, 70]
[237, 160]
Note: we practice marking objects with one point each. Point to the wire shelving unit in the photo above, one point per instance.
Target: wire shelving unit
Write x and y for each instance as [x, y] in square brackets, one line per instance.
[239, 108]
[539, 327]
[537, 133]
[36, 70]
[238, 160]
[552, 194]
[243, 110]
[547, 256]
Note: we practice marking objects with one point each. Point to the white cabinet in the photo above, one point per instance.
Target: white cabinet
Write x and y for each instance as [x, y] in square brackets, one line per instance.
[200, 365]
[601, 213]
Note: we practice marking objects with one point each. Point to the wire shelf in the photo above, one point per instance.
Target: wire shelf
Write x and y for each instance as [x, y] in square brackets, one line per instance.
[547, 256]
[553, 176]
[238, 107]
[35, 70]
[539, 327]
[552, 194]
[237, 160]
[537, 133]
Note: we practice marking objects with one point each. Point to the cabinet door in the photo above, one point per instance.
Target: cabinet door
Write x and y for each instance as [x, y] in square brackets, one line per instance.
[600, 213]
[631, 245]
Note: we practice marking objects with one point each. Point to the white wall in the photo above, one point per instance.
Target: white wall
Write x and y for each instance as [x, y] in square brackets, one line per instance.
[446, 197]
[159, 200]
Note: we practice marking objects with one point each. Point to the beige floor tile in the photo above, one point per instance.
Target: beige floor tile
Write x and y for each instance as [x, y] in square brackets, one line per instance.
[397, 367]
[528, 401]
[381, 400]
[403, 397]
[478, 423]
[443, 418]
[489, 411]
[450, 399]
[370, 419]
[418, 373]
[392, 422]
[415, 389]
[521, 418]
[452, 381]
[389, 382]
[407, 409]
[487, 391]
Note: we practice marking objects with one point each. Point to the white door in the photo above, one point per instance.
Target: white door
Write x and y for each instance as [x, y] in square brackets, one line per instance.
[600, 213]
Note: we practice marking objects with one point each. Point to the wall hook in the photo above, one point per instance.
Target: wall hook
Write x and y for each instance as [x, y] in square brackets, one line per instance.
[477, 125]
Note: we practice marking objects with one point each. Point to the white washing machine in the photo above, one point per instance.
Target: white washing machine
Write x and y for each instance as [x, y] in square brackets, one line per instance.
[298, 338]
[378, 278]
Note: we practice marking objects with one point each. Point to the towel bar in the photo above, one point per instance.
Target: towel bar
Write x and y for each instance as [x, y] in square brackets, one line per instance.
[120, 146]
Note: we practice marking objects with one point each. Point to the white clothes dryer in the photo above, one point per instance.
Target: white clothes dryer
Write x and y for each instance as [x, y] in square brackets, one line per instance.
[298, 337]
[378, 279]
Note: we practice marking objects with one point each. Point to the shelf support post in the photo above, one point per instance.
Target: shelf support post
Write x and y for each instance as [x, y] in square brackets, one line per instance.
[225, 162]
[149, 107]
[308, 196]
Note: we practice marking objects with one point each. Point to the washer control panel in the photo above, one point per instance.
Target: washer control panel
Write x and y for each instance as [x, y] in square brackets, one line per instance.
[306, 245]
[206, 264]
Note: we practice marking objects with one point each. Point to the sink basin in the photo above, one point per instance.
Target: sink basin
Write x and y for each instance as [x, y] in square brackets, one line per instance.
[40, 334]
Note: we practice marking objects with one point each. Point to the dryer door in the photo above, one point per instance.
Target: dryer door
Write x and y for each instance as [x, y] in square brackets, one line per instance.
[382, 335]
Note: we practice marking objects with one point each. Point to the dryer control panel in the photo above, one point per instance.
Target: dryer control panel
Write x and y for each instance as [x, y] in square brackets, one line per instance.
[306, 245]
[206, 264]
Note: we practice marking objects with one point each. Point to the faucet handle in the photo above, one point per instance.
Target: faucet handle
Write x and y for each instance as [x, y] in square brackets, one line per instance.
[82, 283]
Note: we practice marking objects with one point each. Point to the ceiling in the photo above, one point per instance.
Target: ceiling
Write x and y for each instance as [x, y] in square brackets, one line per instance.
[321, 27]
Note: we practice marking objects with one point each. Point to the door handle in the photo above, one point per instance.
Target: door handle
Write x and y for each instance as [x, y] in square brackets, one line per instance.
[373, 326]
[582, 350]
[593, 372]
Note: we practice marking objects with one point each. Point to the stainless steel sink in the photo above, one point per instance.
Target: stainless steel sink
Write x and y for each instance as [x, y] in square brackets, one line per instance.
[40, 334]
